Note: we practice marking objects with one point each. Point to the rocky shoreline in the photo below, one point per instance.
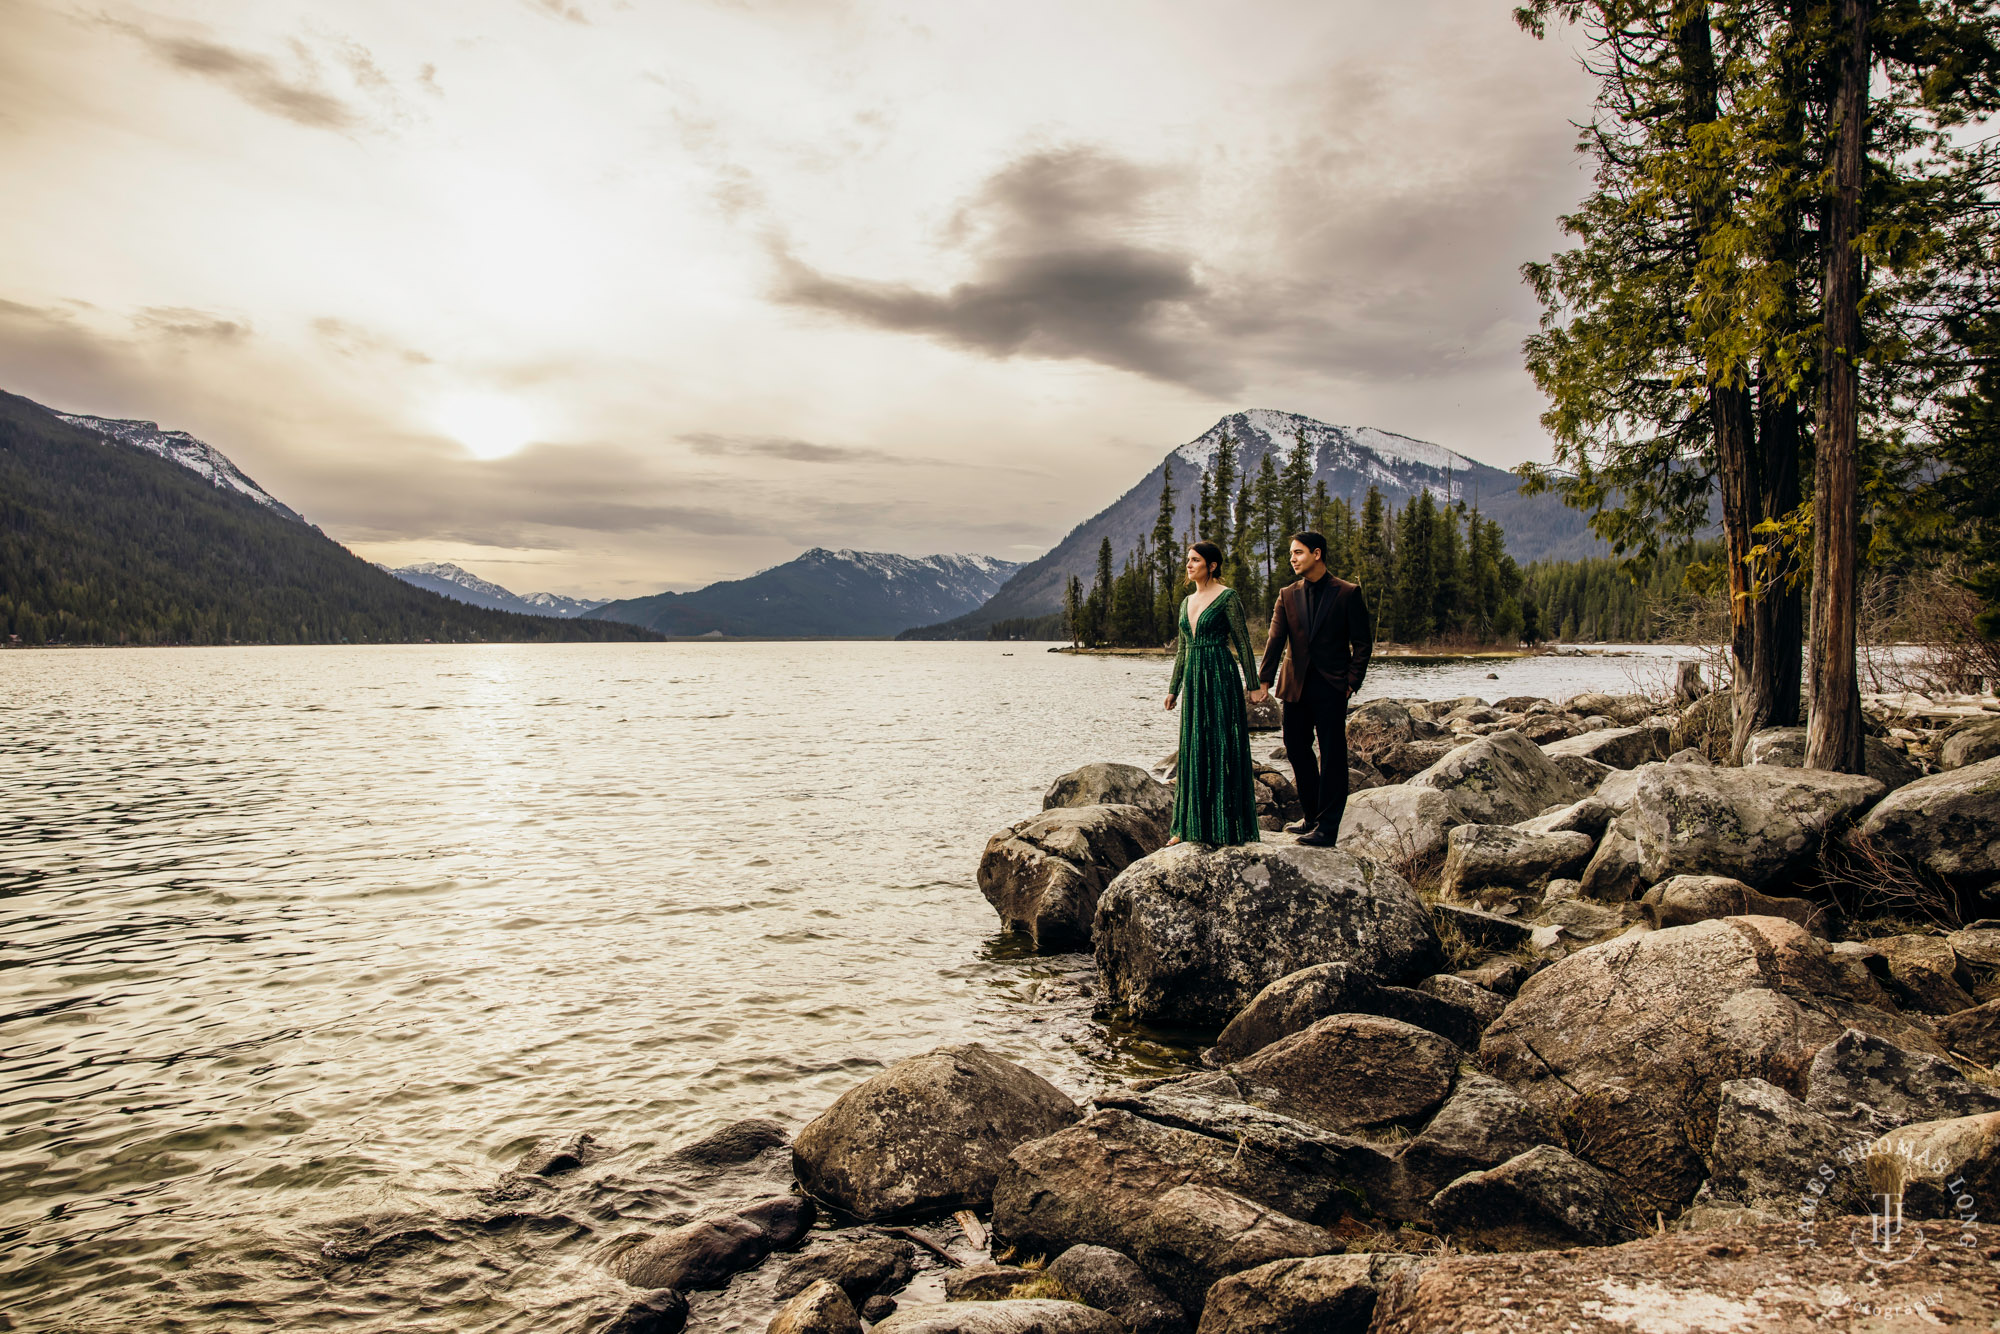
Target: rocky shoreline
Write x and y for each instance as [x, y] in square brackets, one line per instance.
[1576, 1029]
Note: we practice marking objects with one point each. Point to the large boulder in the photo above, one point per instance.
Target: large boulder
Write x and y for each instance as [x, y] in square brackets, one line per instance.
[1027, 1315]
[1537, 1200]
[1297, 1001]
[1493, 863]
[1773, 1277]
[1948, 823]
[1785, 747]
[1973, 1033]
[1613, 874]
[1868, 1085]
[1397, 824]
[1631, 1041]
[1378, 726]
[1327, 1294]
[1618, 747]
[1111, 785]
[1761, 825]
[1773, 1153]
[1115, 1283]
[1352, 1072]
[1044, 875]
[709, 1251]
[1405, 760]
[1482, 1125]
[1940, 1169]
[927, 1135]
[1191, 934]
[862, 1264]
[1970, 742]
[1680, 900]
[1498, 779]
[1188, 1207]
[1925, 971]
[820, 1308]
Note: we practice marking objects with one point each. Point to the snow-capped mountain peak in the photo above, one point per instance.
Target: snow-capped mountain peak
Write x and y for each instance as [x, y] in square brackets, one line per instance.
[180, 447]
[1362, 449]
[455, 581]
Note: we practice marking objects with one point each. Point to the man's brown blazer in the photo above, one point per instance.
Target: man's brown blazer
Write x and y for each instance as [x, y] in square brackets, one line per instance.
[1337, 647]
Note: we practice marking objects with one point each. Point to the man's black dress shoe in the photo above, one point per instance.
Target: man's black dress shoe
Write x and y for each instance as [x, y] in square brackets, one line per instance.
[1299, 827]
[1318, 838]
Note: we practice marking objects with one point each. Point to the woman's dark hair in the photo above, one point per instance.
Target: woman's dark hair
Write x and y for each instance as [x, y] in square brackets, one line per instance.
[1209, 552]
[1311, 542]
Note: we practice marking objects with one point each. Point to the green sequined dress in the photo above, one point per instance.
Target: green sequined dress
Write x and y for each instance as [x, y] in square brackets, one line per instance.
[1215, 792]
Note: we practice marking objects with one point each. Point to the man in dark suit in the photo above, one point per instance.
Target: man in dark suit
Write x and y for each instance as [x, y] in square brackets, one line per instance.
[1323, 622]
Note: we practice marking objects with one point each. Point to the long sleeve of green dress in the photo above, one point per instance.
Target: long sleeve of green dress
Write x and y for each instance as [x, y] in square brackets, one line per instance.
[1239, 638]
[1180, 652]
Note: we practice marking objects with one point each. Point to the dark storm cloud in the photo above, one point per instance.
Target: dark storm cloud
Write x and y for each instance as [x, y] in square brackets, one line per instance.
[1057, 272]
[253, 77]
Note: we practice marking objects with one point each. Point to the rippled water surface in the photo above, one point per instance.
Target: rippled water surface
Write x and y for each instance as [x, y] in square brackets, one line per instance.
[296, 941]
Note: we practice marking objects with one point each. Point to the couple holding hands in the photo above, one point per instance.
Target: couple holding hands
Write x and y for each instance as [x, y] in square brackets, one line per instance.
[1317, 654]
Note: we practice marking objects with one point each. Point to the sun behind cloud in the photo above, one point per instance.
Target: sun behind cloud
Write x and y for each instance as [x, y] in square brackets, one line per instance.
[489, 425]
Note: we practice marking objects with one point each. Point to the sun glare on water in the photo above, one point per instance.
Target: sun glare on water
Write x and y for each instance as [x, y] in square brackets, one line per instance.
[488, 425]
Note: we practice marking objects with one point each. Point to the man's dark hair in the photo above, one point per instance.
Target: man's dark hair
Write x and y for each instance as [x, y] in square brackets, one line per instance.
[1211, 553]
[1311, 542]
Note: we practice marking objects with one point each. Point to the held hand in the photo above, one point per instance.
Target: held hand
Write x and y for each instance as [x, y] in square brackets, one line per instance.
[1170, 702]
[1259, 695]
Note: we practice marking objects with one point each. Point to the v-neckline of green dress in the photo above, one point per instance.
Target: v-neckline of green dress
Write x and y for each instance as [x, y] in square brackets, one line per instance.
[1194, 625]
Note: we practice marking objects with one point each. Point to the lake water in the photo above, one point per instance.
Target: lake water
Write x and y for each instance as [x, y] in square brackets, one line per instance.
[295, 937]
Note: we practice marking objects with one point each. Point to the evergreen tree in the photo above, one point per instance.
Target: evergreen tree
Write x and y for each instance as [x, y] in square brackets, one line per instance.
[1219, 529]
[1295, 487]
[1168, 560]
[1416, 570]
[1073, 615]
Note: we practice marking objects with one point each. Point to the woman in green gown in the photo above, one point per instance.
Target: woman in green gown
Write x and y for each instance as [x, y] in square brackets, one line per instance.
[1215, 791]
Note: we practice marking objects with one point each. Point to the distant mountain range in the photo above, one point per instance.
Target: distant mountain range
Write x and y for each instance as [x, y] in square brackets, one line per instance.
[823, 595]
[1349, 459]
[116, 532]
[453, 581]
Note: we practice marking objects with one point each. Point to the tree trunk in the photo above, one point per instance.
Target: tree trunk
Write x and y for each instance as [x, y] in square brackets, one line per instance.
[1833, 734]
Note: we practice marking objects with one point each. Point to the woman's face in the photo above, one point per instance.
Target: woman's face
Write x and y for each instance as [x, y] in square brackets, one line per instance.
[1197, 565]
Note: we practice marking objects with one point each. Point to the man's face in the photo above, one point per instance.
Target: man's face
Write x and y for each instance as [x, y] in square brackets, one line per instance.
[1302, 557]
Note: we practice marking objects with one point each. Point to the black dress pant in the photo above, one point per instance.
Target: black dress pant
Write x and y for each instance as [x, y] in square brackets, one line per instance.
[1321, 716]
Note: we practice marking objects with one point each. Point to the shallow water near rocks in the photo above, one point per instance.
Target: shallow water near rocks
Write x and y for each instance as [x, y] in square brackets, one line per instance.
[300, 948]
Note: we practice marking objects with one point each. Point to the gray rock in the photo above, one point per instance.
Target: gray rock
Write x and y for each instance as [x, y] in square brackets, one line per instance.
[928, 1135]
[1111, 785]
[1682, 899]
[1405, 761]
[554, 1155]
[878, 1308]
[1539, 1200]
[1352, 1072]
[1298, 1000]
[1589, 816]
[1277, 800]
[1494, 863]
[1613, 874]
[1481, 1004]
[1044, 875]
[1948, 823]
[1491, 930]
[1974, 1033]
[1620, 788]
[1631, 1040]
[1925, 972]
[1785, 747]
[1773, 1153]
[1482, 1125]
[1498, 779]
[1617, 747]
[1034, 1315]
[1973, 741]
[821, 1308]
[1580, 920]
[1760, 825]
[1326, 1294]
[1867, 1086]
[738, 1142]
[708, 1251]
[1503, 976]
[1587, 774]
[1378, 726]
[1976, 945]
[1191, 934]
[1268, 716]
[664, 1311]
[1115, 1283]
[1941, 1169]
[862, 1263]
[1397, 824]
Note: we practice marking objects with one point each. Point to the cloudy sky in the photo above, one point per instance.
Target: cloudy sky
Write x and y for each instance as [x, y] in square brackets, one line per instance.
[608, 296]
